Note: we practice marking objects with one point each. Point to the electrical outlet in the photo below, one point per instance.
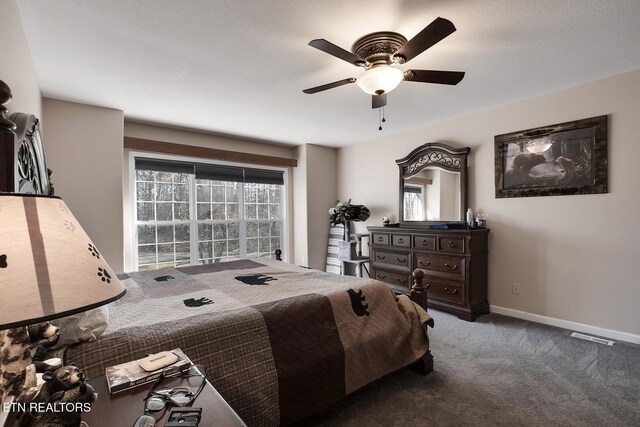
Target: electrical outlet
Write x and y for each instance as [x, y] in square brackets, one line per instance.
[515, 289]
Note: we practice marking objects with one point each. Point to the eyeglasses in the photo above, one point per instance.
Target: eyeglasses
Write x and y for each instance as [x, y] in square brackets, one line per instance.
[158, 398]
[179, 396]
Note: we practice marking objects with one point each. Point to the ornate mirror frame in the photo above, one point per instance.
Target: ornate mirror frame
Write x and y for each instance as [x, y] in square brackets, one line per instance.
[438, 155]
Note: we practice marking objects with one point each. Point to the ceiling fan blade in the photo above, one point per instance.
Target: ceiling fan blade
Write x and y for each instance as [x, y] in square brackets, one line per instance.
[430, 35]
[378, 101]
[329, 85]
[433, 76]
[337, 51]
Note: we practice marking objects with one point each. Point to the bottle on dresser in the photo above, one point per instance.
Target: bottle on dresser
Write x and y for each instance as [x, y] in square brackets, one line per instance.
[471, 222]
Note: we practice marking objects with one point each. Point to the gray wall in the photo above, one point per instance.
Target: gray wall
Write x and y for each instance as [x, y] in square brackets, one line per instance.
[574, 256]
[16, 67]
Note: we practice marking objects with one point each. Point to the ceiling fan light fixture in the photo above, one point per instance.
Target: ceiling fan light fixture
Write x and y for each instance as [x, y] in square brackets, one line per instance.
[379, 80]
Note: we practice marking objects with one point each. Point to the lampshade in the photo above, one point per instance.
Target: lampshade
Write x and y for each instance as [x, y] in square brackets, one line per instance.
[539, 145]
[49, 267]
[380, 79]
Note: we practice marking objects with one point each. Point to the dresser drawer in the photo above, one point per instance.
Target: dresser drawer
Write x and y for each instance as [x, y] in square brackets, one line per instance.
[427, 243]
[454, 265]
[401, 240]
[391, 258]
[451, 244]
[442, 289]
[398, 280]
[381, 239]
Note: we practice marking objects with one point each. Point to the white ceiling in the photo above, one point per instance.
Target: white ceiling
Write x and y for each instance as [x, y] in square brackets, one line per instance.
[239, 66]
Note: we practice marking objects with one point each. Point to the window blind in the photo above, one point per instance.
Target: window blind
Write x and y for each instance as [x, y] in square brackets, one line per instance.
[164, 165]
[263, 176]
[213, 172]
[411, 189]
[219, 172]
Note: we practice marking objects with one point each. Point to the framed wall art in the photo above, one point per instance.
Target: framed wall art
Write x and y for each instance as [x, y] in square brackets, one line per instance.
[562, 159]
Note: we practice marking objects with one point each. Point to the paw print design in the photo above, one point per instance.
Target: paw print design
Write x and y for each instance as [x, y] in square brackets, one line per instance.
[63, 208]
[94, 251]
[70, 226]
[104, 275]
[3, 261]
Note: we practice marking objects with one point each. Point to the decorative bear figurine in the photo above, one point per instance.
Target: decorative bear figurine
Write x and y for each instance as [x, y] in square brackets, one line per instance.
[61, 400]
[43, 336]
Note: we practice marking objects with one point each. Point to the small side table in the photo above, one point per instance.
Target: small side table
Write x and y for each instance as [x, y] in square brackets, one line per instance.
[124, 408]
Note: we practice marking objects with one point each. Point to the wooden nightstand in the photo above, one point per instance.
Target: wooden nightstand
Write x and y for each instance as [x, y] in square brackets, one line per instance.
[124, 408]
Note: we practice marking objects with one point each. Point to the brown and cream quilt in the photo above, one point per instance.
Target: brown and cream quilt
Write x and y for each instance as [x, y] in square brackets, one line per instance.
[279, 342]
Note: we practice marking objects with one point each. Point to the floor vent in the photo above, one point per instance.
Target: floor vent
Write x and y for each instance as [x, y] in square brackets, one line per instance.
[590, 338]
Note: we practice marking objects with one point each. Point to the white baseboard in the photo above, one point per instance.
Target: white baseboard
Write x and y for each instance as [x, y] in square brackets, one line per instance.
[566, 324]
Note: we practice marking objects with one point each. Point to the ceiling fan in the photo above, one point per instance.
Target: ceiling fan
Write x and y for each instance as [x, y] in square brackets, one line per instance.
[379, 54]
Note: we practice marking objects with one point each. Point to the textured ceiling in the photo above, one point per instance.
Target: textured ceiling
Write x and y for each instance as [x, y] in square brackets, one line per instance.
[238, 67]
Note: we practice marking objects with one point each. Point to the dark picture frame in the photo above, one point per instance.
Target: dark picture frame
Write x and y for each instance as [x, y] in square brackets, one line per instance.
[561, 159]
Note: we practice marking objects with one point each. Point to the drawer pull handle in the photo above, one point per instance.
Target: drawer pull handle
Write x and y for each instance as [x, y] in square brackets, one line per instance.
[450, 292]
[379, 277]
[379, 238]
[401, 240]
[452, 244]
[401, 260]
[453, 267]
[424, 263]
[381, 257]
[425, 242]
[427, 286]
[402, 282]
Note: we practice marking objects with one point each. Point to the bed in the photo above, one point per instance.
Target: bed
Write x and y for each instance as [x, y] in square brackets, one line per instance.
[280, 342]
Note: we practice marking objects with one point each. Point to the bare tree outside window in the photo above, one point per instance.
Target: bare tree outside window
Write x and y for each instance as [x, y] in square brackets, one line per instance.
[181, 220]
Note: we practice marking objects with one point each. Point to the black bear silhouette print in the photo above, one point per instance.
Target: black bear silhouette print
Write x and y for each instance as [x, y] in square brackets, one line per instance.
[192, 302]
[255, 279]
[163, 278]
[360, 308]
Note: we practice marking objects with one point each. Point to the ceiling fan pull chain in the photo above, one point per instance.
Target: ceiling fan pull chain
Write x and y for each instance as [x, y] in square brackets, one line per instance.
[379, 118]
[383, 119]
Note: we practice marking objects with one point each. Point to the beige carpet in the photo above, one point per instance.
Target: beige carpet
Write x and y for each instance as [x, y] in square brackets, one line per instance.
[501, 371]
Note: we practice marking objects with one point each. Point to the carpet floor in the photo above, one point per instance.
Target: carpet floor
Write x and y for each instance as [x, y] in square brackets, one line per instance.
[502, 371]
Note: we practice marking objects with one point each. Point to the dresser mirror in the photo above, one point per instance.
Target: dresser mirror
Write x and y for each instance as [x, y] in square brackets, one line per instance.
[433, 185]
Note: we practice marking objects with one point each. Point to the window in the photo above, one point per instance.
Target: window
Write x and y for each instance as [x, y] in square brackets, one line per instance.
[191, 213]
[413, 203]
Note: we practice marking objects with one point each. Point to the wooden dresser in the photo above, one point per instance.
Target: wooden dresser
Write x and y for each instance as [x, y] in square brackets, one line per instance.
[454, 263]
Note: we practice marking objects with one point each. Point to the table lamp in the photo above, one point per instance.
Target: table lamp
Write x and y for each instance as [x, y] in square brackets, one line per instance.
[49, 268]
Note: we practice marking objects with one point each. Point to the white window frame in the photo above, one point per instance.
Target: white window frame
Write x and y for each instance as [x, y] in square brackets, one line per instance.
[284, 197]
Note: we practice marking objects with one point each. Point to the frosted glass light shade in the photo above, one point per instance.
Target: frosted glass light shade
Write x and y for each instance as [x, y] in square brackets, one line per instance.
[49, 267]
[379, 80]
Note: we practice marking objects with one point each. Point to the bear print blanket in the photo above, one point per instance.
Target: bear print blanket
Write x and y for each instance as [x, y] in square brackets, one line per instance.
[279, 342]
